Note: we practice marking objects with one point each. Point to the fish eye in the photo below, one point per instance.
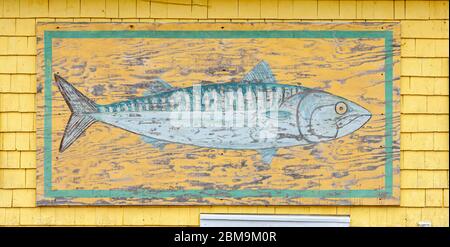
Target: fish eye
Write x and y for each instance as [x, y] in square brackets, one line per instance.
[341, 108]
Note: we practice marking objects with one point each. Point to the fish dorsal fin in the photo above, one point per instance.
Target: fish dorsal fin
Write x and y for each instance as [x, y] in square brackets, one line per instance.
[261, 73]
[158, 86]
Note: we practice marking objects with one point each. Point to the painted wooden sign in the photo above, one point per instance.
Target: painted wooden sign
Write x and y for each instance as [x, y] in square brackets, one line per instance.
[222, 113]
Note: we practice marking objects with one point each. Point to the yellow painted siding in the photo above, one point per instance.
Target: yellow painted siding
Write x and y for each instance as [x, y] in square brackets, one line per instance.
[424, 89]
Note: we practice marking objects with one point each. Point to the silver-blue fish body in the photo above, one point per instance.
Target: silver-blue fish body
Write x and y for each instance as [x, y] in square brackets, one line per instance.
[257, 114]
[230, 115]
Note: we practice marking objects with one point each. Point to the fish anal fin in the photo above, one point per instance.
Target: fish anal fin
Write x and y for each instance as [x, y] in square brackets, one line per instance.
[154, 142]
[261, 73]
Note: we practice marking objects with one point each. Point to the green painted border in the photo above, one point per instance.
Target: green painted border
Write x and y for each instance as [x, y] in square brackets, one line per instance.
[153, 194]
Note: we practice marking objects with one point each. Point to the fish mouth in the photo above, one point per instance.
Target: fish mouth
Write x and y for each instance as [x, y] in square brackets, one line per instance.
[345, 120]
[351, 123]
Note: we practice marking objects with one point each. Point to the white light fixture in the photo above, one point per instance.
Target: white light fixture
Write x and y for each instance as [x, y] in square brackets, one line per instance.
[249, 220]
[424, 224]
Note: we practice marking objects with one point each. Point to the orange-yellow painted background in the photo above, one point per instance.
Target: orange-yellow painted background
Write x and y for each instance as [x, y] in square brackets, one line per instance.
[424, 120]
[110, 158]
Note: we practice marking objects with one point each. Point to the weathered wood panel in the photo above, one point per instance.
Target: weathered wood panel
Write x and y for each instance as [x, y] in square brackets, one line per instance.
[112, 166]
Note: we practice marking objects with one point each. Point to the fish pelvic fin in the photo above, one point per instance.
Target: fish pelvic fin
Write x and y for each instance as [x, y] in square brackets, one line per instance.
[267, 154]
[81, 107]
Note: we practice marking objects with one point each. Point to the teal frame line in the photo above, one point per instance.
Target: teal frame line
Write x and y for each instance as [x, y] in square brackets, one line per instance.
[386, 192]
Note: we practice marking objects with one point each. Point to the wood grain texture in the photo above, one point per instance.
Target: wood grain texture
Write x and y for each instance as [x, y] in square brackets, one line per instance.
[111, 70]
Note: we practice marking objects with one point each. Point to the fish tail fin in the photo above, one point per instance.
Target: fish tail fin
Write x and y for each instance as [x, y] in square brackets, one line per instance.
[77, 102]
[81, 107]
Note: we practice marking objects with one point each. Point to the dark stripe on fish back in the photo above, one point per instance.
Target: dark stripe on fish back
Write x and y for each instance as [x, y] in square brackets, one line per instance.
[242, 94]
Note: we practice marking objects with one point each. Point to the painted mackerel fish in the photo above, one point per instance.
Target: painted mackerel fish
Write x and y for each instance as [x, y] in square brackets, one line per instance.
[255, 114]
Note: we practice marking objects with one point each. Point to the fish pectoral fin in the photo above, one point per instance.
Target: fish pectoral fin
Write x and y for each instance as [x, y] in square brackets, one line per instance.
[261, 73]
[154, 142]
[267, 154]
[280, 115]
[158, 86]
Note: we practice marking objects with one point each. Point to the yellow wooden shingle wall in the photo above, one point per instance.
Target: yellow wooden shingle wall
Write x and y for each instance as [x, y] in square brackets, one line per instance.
[424, 89]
